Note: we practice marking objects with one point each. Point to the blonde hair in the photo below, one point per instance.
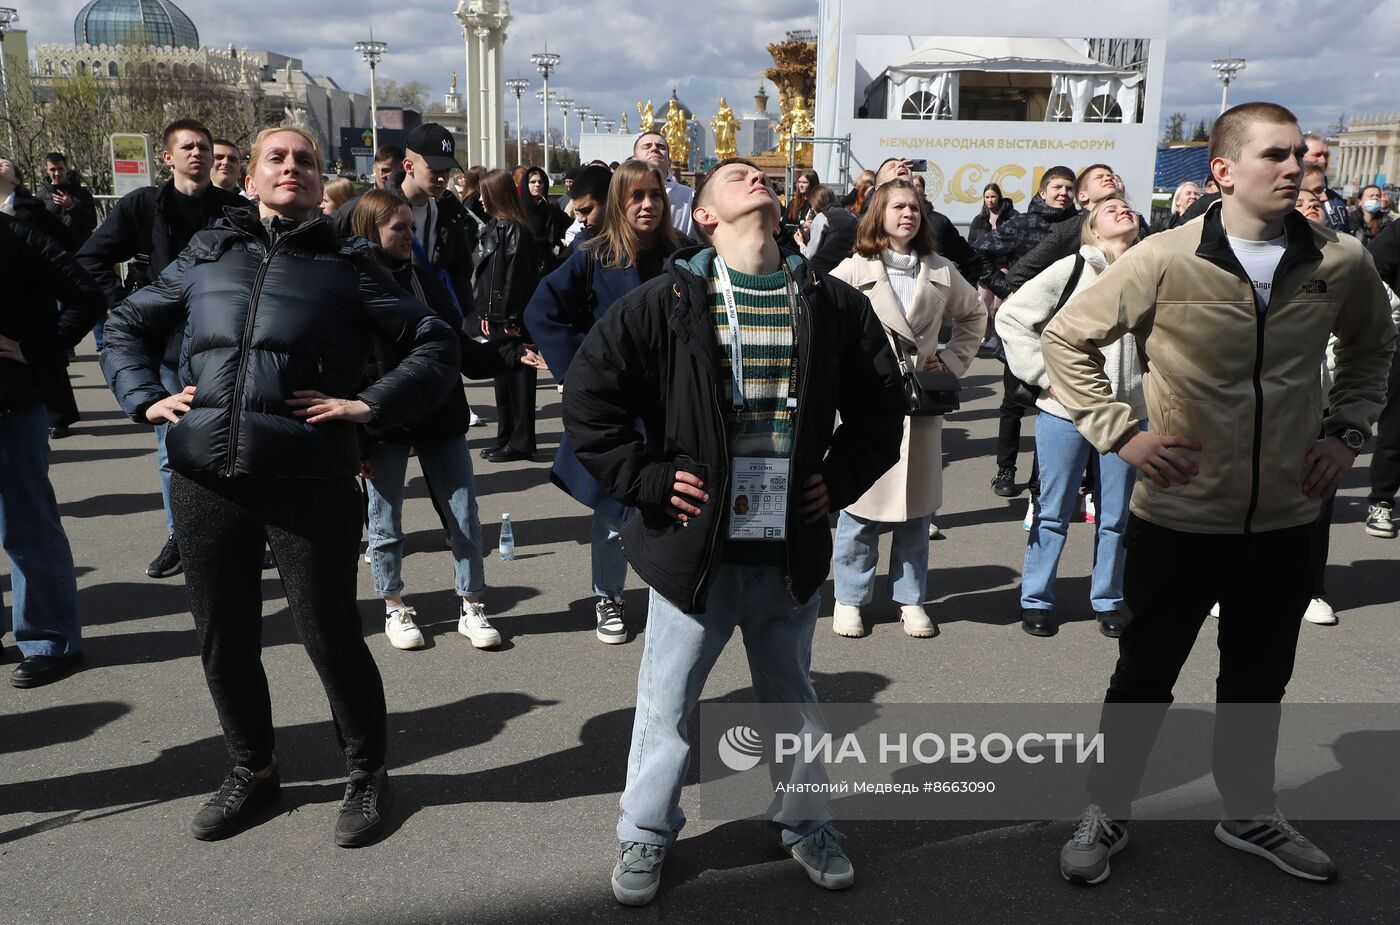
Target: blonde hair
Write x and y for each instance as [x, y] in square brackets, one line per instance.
[339, 191]
[256, 154]
[1088, 236]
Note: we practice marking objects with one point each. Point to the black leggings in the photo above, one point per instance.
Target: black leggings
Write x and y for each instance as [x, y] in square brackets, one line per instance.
[313, 527]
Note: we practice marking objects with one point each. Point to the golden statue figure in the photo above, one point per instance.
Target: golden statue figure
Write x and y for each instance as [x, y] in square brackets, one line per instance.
[623, 130]
[646, 118]
[802, 126]
[726, 129]
[676, 135]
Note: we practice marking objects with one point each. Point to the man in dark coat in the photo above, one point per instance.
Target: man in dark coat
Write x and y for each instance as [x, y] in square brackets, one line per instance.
[67, 200]
[150, 227]
[34, 340]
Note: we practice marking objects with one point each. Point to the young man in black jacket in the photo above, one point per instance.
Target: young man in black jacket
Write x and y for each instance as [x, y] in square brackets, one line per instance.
[34, 341]
[737, 361]
[150, 227]
[67, 200]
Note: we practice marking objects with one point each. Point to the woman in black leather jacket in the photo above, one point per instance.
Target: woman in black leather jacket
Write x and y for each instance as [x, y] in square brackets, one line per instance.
[507, 271]
[278, 315]
[385, 219]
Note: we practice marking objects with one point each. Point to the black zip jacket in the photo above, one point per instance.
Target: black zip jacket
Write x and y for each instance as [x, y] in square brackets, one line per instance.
[38, 272]
[80, 216]
[507, 271]
[655, 357]
[262, 315]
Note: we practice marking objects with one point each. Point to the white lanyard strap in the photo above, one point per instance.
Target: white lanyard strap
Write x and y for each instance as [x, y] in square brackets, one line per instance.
[736, 337]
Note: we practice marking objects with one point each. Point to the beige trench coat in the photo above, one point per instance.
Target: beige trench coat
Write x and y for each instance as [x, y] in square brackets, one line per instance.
[914, 486]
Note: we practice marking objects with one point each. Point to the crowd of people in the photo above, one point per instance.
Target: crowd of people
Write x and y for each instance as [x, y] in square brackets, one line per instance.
[737, 376]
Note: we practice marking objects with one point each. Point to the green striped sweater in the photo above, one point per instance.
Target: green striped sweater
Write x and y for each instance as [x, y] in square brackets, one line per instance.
[765, 322]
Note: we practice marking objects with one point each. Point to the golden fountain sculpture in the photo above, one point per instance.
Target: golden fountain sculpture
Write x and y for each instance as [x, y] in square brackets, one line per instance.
[726, 131]
[676, 135]
[646, 118]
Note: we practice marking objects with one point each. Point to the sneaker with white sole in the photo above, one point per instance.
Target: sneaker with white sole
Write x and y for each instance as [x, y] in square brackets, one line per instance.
[1084, 858]
[472, 624]
[1320, 612]
[1379, 520]
[846, 621]
[1091, 512]
[611, 627]
[1030, 515]
[403, 633]
[1274, 839]
[917, 622]
[637, 875]
[1215, 610]
[823, 860]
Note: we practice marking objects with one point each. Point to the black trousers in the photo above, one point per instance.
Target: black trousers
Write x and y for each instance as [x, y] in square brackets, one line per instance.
[515, 409]
[1385, 458]
[1009, 427]
[313, 527]
[1170, 581]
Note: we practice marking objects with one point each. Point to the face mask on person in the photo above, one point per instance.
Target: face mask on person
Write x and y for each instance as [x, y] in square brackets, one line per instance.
[1372, 206]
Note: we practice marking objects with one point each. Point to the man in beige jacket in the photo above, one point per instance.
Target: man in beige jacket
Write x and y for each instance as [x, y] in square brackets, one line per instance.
[1233, 312]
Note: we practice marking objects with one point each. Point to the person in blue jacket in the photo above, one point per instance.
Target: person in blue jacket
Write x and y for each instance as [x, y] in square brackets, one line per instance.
[630, 247]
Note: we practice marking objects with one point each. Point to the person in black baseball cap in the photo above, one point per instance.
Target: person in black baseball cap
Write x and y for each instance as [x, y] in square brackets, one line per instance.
[435, 145]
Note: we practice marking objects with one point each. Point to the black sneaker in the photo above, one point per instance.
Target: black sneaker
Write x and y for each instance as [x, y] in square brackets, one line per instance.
[168, 562]
[364, 809]
[1111, 622]
[269, 560]
[1039, 622]
[235, 804]
[1379, 520]
[1004, 484]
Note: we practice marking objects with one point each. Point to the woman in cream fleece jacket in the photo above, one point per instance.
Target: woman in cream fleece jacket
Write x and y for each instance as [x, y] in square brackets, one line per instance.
[1110, 229]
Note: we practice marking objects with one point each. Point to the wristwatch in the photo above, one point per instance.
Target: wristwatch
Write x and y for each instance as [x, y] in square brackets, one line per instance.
[1351, 438]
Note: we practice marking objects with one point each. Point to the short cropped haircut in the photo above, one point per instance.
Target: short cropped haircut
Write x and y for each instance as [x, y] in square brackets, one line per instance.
[1056, 173]
[184, 125]
[701, 197]
[228, 144]
[388, 153]
[1227, 136]
[1079, 180]
[55, 157]
[871, 237]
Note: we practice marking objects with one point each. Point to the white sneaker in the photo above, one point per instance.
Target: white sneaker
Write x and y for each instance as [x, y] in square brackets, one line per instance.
[1320, 612]
[933, 532]
[472, 624]
[1091, 513]
[403, 633]
[916, 621]
[1030, 514]
[1215, 610]
[846, 621]
[367, 561]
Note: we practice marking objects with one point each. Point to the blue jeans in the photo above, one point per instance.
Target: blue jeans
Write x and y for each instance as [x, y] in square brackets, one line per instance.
[1064, 454]
[609, 564]
[681, 649]
[170, 379]
[45, 617]
[858, 551]
[448, 467]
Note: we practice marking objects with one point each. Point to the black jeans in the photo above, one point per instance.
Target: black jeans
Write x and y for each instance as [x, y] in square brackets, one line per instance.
[1170, 581]
[1385, 458]
[1009, 428]
[515, 410]
[313, 527]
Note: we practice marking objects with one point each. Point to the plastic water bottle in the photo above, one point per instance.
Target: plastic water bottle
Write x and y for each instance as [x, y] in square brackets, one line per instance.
[506, 548]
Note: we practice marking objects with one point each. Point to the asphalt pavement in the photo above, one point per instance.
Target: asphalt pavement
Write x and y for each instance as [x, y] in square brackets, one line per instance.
[508, 764]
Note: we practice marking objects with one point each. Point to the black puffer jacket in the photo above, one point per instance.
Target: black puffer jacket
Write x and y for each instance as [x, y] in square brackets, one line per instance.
[270, 313]
[507, 272]
[1014, 238]
[655, 356]
[37, 273]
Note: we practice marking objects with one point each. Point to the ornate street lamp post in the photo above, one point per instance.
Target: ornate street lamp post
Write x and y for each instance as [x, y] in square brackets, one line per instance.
[372, 51]
[518, 84]
[546, 61]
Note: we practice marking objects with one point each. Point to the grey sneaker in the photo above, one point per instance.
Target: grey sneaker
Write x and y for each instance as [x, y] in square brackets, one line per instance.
[823, 859]
[1274, 839]
[1084, 858]
[637, 876]
[611, 628]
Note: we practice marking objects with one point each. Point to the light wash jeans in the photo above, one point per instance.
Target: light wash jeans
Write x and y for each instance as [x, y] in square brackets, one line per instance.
[681, 649]
[1064, 454]
[858, 552]
[447, 464]
[170, 379]
[609, 564]
[45, 590]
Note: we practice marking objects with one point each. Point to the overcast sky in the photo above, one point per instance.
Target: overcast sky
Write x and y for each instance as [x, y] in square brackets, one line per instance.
[1320, 57]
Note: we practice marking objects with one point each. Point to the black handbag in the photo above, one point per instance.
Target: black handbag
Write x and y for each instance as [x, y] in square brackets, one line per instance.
[927, 392]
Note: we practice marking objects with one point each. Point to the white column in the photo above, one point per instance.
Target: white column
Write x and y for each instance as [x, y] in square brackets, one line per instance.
[469, 100]
[498, 131]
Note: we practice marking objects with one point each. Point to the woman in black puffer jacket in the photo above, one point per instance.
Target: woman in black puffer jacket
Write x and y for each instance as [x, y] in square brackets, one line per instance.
[278, 315]
[507, 271]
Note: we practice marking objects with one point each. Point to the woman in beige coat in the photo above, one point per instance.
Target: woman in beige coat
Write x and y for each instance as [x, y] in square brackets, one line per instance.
[912, 290]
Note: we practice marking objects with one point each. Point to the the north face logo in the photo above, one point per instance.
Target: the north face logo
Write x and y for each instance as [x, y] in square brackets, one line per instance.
[1315, 286]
